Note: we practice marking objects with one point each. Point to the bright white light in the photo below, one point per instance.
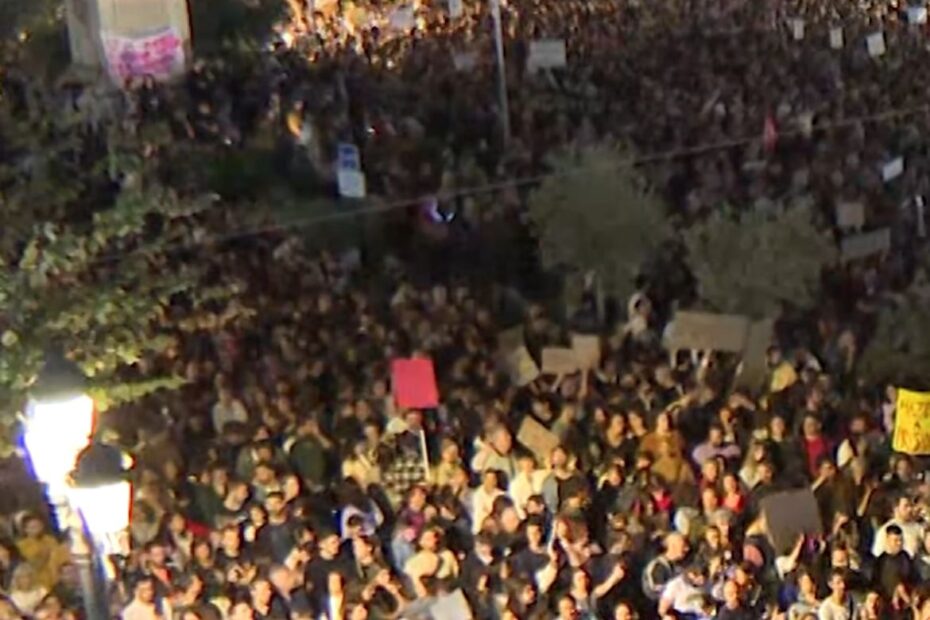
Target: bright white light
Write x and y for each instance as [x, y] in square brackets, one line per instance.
[105, 508]
[56, 431]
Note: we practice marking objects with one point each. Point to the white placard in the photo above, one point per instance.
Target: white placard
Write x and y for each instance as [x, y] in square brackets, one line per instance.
[836, 38]
[875, 43]
[546, 54]
[464, 61]
[893, 169]
[456, 8]
[797, 28]
[850, 215]
[917, 15]
[351, 183]
[402, 18]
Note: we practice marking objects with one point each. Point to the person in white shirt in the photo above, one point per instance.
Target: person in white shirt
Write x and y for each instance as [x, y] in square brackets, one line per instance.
[527, 482]
[685, 593]
[228, 409]
[483, 499]
[903, 517]
[143, 605]
[839, 605]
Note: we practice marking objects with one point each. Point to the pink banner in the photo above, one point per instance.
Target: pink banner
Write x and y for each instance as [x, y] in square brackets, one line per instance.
[160, 55]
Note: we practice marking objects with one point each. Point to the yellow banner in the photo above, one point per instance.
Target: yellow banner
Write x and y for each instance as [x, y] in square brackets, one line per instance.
[912, 423]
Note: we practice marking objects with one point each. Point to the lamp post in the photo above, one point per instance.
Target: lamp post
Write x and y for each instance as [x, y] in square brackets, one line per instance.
[501, 69]
[85, 484]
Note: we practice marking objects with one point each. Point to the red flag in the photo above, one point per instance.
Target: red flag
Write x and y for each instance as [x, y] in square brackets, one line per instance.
[769, 134]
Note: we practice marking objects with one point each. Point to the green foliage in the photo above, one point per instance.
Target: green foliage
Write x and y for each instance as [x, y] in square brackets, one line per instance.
[219, 24]
[899, 350]
[753, 262]
[596, 214]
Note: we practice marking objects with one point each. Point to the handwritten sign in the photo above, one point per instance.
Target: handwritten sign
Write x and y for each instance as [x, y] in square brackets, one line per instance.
[414, 383]
[866, 244]
[912, 423]
[546, 54]
[522, 367]
[559, 361]
[587, 350]
[875, 43]
[703, 331]
[160, 55]
[537, 438]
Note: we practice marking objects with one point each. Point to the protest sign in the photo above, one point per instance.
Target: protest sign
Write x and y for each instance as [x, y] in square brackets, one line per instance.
[160, 55]
[892, 169]
[546, 54]
[788, 515]
[402, 18]
[865, 245]
[875, 43]
[911, 423]
[559, 361]
[413, 382]
[453, 606]
[537, 438]
[753, 368]
[351, 183]
[521, 367]
[456, 9]
[703, 331]
[850, 215]
[797, 28]
[836, 38]
[464, 61]
[347, 157]
[587, 350]
[917, 15]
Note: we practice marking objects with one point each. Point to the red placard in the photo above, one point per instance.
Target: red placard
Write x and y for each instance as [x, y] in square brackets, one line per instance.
[414, 383]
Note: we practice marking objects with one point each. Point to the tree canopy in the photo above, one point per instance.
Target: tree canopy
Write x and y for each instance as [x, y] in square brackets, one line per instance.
[753, 262]
[595, 213]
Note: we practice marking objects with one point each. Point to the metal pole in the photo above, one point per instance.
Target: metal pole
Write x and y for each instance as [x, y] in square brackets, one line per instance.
[93, 593]
[501, 69]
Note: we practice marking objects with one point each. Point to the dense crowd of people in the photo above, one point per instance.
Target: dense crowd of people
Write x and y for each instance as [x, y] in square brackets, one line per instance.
[283, 482]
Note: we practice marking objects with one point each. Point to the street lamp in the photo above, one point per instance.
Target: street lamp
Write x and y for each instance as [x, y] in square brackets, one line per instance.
[86, 484]
[59, 423]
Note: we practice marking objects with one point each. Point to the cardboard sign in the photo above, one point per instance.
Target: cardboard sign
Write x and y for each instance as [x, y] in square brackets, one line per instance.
[587, 351]
[862, 246]
[402, 18]
[850, 215]
[351, 183]
[703, 331]
[912, 423]
[917, 15]
[559, 361]
[160, 55]
[452, 606]
[522, 367]
[797, 29]
[753, 368]
[546, 54]
[788, 515]
[464, 61]
[836, 38]
[414, 383]
[537, 438]
[875, 43]
[456, 8]
[893, 169]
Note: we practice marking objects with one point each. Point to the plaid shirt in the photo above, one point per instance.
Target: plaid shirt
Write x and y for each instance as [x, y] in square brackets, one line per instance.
[405, 471]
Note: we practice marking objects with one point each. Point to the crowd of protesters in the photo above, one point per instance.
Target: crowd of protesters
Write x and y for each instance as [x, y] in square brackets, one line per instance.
[282, 482]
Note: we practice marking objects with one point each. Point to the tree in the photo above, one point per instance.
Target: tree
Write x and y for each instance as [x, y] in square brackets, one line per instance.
[754, 262]
[596, 214]
[899, 350]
